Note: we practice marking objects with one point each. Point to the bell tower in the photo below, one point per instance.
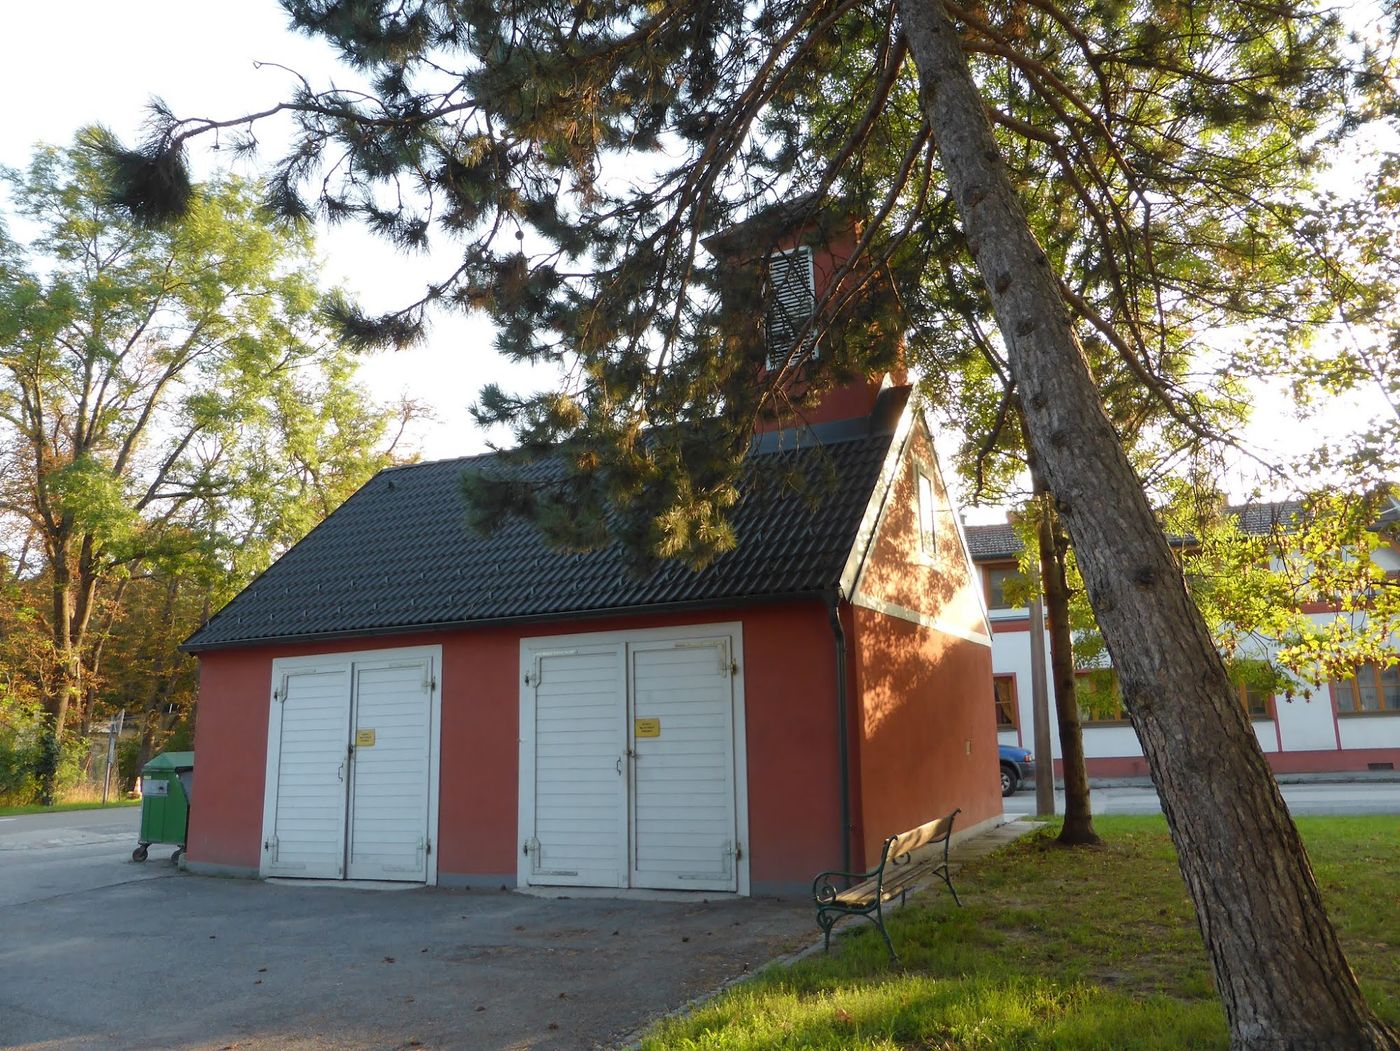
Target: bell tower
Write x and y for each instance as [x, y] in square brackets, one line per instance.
[797, 251]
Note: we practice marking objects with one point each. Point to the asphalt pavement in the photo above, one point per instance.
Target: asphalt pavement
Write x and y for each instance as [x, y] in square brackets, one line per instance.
[49, 855]
[99, 952]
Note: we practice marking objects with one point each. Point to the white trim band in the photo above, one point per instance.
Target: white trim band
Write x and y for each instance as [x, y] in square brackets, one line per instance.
[915, 617]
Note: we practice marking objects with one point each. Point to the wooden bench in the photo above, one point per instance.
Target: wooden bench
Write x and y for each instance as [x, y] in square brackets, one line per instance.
[865, 893]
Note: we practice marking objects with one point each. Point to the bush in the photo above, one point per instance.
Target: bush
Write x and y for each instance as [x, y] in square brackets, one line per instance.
[21, 732]
[128, 762]
[23, 746]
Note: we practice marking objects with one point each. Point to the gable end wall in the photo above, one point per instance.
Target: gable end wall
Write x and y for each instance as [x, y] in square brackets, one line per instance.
[924, 721]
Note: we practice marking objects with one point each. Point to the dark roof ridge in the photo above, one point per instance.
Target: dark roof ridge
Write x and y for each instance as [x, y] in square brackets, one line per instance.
[1255, 518]
[466, 458]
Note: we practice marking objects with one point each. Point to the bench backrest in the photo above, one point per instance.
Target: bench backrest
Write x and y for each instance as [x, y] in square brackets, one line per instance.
[935, 831]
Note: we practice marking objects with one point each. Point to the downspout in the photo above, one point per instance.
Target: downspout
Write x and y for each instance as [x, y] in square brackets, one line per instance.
[842, 736]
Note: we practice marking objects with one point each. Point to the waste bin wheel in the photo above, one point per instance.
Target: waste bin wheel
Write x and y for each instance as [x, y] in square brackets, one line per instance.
[176, 856]
[139, 854]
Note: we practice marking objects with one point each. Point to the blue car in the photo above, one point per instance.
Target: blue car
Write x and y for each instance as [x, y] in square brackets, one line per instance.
[1017, 765]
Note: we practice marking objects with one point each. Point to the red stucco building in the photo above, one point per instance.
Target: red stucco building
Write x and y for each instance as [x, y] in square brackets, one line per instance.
[400, 698]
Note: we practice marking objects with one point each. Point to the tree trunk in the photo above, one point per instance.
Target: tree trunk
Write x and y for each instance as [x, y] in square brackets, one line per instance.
[1078, 827]
[67, 683]
[1053, 545]
[1278, 966]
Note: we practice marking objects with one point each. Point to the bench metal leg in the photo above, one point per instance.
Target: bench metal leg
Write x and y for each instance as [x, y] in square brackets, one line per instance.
[943, 873]
[826, 921]
[880, 922]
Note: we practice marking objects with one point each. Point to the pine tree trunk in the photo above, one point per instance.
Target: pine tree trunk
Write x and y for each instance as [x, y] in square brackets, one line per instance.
[1278, 966]
[1078, 827]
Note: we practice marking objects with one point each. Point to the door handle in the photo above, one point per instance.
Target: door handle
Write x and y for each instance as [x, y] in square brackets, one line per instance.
[619, 766]
[340, 772]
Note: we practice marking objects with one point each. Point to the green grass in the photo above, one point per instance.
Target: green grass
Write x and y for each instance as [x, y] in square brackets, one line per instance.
[1054, 949]
[37, 808]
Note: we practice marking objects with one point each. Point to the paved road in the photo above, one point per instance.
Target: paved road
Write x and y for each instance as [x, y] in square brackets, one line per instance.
[48, 855]
[97, 952]
[1362, 797]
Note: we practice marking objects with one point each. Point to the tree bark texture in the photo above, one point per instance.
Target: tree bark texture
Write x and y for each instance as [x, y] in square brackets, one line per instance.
[66, 684]
[1278, 966]
[74, 593]
[1078, 827]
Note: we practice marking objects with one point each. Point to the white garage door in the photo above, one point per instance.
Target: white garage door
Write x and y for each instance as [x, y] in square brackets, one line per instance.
[629, 761]
[388, 827]
[580, 824]
[308, 805]
[352, 767]
[683, 766]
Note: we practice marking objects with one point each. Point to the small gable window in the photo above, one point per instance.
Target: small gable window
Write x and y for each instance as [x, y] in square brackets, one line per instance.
[792, 301]
[927, 538]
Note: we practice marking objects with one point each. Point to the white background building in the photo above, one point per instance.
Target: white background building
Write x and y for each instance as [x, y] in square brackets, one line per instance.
[1352, 725]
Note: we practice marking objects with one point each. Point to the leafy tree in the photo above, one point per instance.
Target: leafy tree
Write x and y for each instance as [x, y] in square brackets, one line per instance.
[143, 672]
[23, 653]
[1182, 133]
[1254, 588]
[1257, 591]
[1357, 241]
[168, 401]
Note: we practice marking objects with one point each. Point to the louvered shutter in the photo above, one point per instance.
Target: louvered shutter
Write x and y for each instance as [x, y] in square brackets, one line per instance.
[791, 303]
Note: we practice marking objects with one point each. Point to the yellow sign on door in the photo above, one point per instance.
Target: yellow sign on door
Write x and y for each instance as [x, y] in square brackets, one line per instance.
[364, 738]
[648, 728]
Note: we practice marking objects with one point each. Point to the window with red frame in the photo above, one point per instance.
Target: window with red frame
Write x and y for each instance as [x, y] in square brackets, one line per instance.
[1257, 704]
[1004, 687]
[1372, 689]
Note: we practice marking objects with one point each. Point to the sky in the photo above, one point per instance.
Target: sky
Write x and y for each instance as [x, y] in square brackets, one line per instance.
[86, 62]
[76, 62]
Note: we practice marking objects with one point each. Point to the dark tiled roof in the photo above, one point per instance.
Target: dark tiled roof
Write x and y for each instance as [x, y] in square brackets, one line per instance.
[992, 541]
[398, 555]
[998, 541]
[1259, 519]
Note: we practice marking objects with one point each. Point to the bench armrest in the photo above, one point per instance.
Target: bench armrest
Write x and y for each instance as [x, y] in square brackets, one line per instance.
[823, 889]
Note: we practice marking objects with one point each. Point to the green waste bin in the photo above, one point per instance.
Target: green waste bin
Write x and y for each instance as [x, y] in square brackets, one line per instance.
[167, 783]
